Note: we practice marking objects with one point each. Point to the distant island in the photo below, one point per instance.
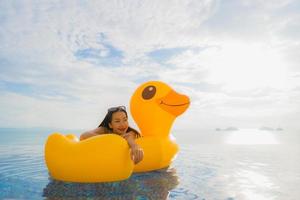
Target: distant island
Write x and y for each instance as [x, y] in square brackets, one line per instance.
[231, 128]
[265, 128]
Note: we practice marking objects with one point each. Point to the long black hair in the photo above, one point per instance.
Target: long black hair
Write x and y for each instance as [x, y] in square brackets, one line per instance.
[108, 118]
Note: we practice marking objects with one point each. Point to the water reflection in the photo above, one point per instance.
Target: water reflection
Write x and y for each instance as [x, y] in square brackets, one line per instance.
[151, 185]
[255, 185]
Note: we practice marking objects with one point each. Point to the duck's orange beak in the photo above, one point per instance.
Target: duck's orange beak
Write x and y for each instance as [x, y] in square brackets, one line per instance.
[174, 103]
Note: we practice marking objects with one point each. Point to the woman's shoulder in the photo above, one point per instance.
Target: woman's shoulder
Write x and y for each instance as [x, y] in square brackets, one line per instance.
[101, 130]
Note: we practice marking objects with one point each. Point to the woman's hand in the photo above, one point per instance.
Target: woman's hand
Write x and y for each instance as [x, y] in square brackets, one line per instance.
[137, 152]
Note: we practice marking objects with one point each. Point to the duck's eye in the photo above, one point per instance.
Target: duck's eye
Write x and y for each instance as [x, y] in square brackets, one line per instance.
[149, 92]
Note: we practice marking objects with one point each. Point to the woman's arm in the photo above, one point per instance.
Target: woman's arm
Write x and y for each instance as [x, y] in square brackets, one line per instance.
[95, 132]
[137, 153]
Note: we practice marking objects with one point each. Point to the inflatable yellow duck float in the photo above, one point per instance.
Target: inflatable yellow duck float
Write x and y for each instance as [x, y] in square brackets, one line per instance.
[154, 107]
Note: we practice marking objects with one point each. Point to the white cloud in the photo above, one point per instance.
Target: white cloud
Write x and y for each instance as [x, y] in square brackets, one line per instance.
[61, 28]
[249, 85]
[26, 111]
[271, 5]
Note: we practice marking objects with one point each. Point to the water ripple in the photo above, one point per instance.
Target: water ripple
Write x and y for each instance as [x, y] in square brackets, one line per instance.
[26, 162]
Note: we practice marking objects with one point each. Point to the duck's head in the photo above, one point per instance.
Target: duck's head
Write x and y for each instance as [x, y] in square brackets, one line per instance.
[154, 106]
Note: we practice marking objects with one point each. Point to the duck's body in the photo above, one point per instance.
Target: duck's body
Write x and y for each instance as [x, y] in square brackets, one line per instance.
[154, 107]
[98, 159]
[158, 153]
[104, 158]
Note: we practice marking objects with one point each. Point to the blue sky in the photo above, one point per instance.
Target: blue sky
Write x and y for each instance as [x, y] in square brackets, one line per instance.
[62, 64]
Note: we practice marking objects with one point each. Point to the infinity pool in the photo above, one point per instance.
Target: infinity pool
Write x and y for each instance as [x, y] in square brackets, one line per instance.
[201, 171]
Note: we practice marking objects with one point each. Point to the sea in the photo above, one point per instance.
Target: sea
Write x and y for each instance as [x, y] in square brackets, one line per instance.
[242, 164]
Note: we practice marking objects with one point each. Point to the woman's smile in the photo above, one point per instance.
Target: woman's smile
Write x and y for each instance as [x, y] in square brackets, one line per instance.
[122, 130]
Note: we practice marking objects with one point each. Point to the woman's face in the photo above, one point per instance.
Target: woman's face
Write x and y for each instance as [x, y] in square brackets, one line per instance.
[119, 122]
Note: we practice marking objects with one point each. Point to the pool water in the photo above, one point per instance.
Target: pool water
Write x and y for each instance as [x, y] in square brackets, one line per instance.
[207, 170]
